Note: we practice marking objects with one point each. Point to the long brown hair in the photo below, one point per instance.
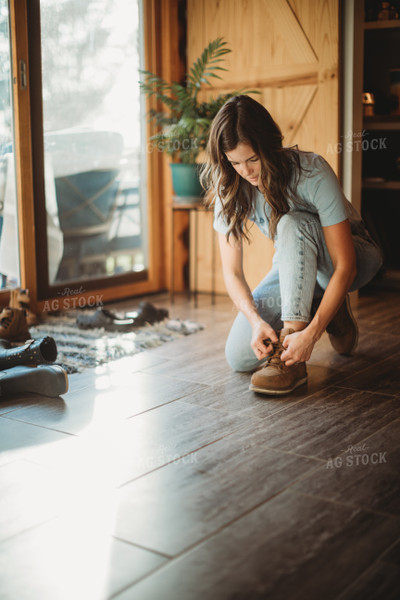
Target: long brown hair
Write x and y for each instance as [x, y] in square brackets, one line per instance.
[244, 120]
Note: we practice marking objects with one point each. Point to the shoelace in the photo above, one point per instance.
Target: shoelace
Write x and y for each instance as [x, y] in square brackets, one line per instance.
[275, 357]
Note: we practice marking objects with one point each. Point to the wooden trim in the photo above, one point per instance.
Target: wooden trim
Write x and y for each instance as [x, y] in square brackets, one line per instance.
[155, 181]
[164, 19]
[393, 24]
[23, 149]
[382, 122]
[37, 143]
[161, 49]
[353, 59]
[341, 68]
[285, 75]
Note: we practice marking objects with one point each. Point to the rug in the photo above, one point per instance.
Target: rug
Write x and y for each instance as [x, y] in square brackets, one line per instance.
[80, 349]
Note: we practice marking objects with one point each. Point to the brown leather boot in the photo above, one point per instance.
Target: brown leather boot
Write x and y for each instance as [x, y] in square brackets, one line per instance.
[275, 378]
[13, 326]
[343, 329]
[20, 299]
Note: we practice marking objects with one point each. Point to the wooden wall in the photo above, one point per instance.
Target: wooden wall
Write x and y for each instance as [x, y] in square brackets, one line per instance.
[289, 51]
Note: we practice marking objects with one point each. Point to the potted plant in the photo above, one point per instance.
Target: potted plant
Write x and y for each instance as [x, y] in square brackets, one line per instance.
[185, 124]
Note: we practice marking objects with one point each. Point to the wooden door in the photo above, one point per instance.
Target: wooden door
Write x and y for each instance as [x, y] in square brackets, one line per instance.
[288, 50]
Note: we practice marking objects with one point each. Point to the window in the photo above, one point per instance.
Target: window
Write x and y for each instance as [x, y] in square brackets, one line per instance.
[93, 128]
[79, 144]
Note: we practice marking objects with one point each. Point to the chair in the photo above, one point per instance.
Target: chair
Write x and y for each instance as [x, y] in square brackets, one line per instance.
[86, 204]
[86, 167]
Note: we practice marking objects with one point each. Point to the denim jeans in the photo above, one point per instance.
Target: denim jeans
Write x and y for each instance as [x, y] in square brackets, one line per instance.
[301, 270]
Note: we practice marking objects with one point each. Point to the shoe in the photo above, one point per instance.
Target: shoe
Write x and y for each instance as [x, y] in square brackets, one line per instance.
[148, 313]
[45, 380]
[274, 377]
[32, 353]
[343, 329]
[20, 299]
[13, 326]
[104, 318]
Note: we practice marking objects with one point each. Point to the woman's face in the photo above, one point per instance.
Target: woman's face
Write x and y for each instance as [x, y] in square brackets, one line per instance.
[244, 160]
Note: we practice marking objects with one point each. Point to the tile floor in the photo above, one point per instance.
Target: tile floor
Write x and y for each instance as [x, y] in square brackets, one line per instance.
[162, 477]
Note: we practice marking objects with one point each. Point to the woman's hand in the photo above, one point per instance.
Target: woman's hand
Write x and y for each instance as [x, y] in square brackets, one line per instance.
[298, 347]
[262, 333]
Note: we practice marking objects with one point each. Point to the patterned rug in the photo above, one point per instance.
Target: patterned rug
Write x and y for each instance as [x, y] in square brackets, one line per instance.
[79, 349]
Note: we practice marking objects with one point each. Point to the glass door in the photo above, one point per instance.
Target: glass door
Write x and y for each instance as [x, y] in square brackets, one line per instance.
[9, 253]
[93, 126]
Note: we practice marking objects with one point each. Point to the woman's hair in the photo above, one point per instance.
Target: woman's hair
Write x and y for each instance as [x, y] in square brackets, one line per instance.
[244, 120]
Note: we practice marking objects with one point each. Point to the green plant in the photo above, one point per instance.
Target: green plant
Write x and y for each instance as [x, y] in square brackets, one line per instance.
[185, 125]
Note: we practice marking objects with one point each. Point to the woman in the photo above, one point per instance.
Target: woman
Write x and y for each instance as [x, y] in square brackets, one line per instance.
[322, 249]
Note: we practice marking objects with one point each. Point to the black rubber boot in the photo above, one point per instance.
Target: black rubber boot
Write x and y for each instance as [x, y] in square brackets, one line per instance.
[33, 352]
[45, 380]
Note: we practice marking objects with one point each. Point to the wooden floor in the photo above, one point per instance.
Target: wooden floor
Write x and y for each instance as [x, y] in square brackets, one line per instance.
[161, 477]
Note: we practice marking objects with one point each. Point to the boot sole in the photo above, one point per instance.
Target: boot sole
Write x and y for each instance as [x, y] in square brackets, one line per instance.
[272, 392]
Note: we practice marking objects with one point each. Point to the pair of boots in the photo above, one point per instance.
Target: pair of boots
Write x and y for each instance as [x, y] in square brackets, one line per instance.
[275, 378]
[28, 368]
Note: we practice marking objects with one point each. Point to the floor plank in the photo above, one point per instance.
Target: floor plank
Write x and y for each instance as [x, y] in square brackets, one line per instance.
[20, 480]
[380, 581]
[367, 353]
[365, 474]
[133, 447]
[293, 547]
[114, 399]
[324, 424]
[204, 491]
[382, 377]
[46, 562]
[17, 438]
[232, 395]
[162, 476]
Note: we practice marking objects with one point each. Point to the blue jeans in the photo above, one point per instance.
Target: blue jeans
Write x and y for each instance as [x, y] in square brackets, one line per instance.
[301, 270]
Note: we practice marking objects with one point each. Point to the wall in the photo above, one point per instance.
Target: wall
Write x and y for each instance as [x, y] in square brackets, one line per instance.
[288, 50]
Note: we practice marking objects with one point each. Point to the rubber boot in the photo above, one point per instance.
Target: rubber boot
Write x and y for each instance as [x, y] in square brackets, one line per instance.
[20, 299]
[45, 380]
[13, 326]
[34, 352]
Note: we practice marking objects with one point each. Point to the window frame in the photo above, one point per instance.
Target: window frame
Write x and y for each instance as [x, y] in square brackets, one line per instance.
[161, 56]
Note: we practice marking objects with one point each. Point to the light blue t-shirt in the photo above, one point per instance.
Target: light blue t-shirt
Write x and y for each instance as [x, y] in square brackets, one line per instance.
[320, 194]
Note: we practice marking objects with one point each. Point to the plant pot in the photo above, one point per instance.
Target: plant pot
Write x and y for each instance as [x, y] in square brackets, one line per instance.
[185, 180]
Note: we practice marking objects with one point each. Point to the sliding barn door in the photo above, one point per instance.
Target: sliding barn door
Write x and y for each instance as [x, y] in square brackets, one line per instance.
[287, 50]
